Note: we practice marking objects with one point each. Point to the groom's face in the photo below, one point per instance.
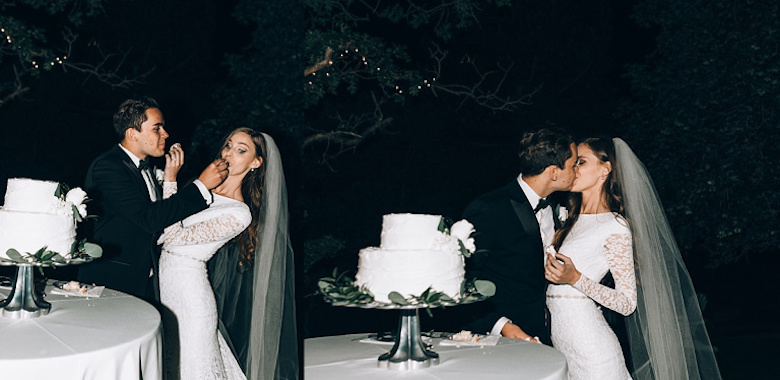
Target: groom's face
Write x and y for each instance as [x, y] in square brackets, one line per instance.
[567, 174]
[151, 139]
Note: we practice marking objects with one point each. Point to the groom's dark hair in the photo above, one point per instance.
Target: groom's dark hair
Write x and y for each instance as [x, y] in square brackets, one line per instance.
[542, 148]
[131, 114]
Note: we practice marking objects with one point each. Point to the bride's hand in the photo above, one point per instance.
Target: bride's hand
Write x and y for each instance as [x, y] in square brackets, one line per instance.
[561, 270]
[174, 160]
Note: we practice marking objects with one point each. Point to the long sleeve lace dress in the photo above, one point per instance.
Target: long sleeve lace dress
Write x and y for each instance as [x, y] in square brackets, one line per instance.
[597, 243]
[194, 348]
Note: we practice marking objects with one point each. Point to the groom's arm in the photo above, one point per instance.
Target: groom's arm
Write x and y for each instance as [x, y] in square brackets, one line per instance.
[117, 189]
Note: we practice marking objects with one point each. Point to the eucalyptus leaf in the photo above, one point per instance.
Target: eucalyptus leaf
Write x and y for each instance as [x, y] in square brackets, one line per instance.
[93, 250]
[397, 298]
[486, 288]
[14, 255]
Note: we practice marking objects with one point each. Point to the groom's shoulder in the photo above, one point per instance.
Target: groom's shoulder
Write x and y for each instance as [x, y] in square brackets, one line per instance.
[496, 194]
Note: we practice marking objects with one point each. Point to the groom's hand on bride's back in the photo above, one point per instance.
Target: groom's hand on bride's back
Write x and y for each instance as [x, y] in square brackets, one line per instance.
[214, 174]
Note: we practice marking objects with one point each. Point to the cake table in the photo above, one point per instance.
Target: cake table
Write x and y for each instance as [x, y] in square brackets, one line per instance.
[114, 336]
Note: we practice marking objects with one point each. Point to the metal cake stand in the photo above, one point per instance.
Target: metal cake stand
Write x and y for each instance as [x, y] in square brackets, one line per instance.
[22, 302]
[409, 352]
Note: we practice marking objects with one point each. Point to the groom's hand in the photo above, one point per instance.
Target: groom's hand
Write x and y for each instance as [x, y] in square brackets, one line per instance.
[214, 174]
[511, 330]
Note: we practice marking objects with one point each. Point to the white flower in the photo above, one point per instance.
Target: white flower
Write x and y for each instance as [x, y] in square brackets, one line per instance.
[462, 230]
[563, 214]
[159, 174]
[76, 197]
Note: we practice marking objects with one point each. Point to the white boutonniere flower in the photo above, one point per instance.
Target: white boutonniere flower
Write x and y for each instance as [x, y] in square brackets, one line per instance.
[563, 214]
[159, 174]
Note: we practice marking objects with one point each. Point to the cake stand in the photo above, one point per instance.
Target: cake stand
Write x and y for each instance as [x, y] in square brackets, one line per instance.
[409, 352]
[22, 302]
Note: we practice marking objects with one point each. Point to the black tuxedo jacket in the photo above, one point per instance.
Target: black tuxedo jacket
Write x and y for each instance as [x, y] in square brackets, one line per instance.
[129, 224]
[513, 258]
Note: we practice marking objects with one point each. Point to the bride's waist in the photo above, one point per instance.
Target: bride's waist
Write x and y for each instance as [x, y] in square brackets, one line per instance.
[565, 292]
[171, 254]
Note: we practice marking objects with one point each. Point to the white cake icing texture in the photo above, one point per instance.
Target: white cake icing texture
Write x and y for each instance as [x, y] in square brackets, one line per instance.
[33, 217]
[413, 256]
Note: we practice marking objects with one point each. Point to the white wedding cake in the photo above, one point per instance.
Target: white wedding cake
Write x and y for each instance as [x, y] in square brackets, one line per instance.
[33, 217]
[415, 255]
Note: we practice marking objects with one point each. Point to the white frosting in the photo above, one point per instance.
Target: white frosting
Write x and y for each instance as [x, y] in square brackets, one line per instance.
[24, 194]
[33, 218]
[411, 259]
[410, 231]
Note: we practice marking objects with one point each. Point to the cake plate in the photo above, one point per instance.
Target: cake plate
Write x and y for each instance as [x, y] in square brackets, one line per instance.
[22, 302]
[409, 352]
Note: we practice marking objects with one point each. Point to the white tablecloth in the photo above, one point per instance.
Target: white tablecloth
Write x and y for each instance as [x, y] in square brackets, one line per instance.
[116, 336]
[344, 357]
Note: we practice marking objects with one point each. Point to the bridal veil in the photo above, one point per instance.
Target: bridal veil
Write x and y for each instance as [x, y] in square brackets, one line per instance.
[257, 307]
[667, 334]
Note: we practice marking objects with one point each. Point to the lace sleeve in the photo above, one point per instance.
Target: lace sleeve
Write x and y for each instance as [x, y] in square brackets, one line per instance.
[224, 227]
[622, 299]
[169, 188]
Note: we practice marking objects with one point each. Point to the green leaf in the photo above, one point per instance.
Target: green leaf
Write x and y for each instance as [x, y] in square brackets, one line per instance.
[397, 298]
[486, 288]
[14, 255]
[93, 250]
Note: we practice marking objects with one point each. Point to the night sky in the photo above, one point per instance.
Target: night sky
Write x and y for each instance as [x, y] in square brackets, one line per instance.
[435, 156]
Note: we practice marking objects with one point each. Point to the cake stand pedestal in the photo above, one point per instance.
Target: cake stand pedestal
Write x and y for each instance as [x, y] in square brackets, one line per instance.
[22, 302]
[409, 351]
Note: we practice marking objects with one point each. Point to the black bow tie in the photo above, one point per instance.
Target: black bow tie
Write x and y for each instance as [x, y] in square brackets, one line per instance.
[143, 164]
[543, 203]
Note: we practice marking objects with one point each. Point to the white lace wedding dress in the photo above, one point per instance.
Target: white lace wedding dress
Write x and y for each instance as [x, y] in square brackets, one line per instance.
[194, 348]
[596, 244]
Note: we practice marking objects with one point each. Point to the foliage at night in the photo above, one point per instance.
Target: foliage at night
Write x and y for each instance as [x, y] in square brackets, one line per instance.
[705, 122]
[41, 35]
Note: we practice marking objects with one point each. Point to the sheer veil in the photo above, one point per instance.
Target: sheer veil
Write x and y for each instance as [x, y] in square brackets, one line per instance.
[667, 334]
[257, 307]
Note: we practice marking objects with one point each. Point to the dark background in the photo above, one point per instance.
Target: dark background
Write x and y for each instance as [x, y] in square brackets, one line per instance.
[438, 153]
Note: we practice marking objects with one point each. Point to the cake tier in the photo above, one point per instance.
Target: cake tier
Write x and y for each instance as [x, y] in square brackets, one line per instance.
[411, 232]
[24, 194]
[409, 272]
[27, 232]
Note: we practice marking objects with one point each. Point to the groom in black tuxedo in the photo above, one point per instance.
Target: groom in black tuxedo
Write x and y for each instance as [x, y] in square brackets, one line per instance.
[513, 224]
[128, 199]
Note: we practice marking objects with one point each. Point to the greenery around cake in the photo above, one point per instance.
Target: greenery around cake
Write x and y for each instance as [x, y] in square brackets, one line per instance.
[340, 290]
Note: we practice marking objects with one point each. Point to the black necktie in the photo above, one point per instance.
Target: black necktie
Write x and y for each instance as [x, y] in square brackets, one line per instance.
[542, 204]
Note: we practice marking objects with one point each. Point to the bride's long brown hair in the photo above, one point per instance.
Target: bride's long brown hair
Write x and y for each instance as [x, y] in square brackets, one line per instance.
[253, 191]
[612, 194]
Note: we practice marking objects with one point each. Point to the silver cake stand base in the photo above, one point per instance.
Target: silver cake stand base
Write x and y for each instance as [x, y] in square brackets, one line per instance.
[22, 302]
[409, 351]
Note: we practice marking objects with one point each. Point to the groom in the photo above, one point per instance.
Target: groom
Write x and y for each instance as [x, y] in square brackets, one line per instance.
[131, 211]
[514, 224]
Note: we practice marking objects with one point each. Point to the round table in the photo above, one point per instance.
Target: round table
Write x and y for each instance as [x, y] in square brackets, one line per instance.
[346, 357]
[115, 336]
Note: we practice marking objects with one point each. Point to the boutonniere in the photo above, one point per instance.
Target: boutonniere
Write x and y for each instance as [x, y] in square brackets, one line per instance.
[158, 173]
[562, 214]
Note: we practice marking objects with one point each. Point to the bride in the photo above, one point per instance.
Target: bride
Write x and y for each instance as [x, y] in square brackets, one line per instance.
[195, 349]
[616, 224]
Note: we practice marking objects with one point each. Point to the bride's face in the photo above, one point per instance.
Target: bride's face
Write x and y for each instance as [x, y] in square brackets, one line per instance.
[591, 172]
[241, 154]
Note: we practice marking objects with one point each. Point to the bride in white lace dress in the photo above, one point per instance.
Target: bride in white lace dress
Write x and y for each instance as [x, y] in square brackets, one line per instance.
[194, 347]
[616, 224]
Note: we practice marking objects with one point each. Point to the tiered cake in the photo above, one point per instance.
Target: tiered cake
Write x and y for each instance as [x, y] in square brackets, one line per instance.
[33, 217]
[414, 255]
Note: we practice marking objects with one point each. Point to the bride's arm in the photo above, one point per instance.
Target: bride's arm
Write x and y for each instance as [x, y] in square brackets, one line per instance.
[223, 226]
[620, 258]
